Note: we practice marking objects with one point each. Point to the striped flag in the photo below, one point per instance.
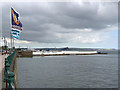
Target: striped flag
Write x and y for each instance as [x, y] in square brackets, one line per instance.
[16, 27]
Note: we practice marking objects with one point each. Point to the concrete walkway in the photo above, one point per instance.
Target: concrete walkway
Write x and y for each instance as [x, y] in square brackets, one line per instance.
[2, 61]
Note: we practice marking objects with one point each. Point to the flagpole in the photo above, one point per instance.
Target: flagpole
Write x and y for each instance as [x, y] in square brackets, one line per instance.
[10, 32]
[13, 43]
[11, 40]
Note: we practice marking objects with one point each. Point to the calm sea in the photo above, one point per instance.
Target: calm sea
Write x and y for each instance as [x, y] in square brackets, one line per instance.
[81, 71]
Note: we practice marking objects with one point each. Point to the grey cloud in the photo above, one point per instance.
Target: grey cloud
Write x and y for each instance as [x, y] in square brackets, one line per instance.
[42, 22]
[88, 15]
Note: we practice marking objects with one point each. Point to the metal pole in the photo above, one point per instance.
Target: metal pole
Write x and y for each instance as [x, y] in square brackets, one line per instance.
[6, 84]
[10, 32]
[11, 40]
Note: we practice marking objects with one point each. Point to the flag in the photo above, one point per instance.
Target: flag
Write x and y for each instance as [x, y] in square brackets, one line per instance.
[16, 28]
[15, 33]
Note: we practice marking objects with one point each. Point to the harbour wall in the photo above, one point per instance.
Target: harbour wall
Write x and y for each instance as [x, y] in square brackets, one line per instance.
[52, 53]
[21, 53]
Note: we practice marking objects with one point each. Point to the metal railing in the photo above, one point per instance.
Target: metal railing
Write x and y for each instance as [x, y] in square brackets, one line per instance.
[9, 75]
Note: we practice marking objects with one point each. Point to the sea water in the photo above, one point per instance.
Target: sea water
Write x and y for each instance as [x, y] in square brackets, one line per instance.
[72, 71]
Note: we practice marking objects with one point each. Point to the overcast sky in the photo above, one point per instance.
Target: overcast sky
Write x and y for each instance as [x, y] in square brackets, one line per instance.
[61, 24]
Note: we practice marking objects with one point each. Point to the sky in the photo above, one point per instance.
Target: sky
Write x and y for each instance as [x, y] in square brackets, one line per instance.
[64, 24]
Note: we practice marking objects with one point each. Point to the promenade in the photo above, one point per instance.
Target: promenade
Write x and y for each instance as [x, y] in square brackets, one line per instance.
[2, 61]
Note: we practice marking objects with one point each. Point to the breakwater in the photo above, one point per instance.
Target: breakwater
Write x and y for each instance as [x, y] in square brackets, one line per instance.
[21, 53]
[55, 53]
[10, 72]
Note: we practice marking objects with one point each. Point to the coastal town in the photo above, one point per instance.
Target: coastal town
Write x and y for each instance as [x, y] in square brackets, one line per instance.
[27, 52]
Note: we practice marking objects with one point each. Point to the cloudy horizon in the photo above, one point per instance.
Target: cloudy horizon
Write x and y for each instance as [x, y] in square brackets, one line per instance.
[61, 24]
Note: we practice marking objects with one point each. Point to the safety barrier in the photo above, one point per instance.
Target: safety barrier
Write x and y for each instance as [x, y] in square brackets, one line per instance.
[9, 75]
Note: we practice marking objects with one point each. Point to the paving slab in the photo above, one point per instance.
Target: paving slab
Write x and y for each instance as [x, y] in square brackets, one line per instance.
[2, 61]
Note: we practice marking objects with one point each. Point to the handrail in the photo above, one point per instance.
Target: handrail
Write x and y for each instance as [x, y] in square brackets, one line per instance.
[8, 75]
